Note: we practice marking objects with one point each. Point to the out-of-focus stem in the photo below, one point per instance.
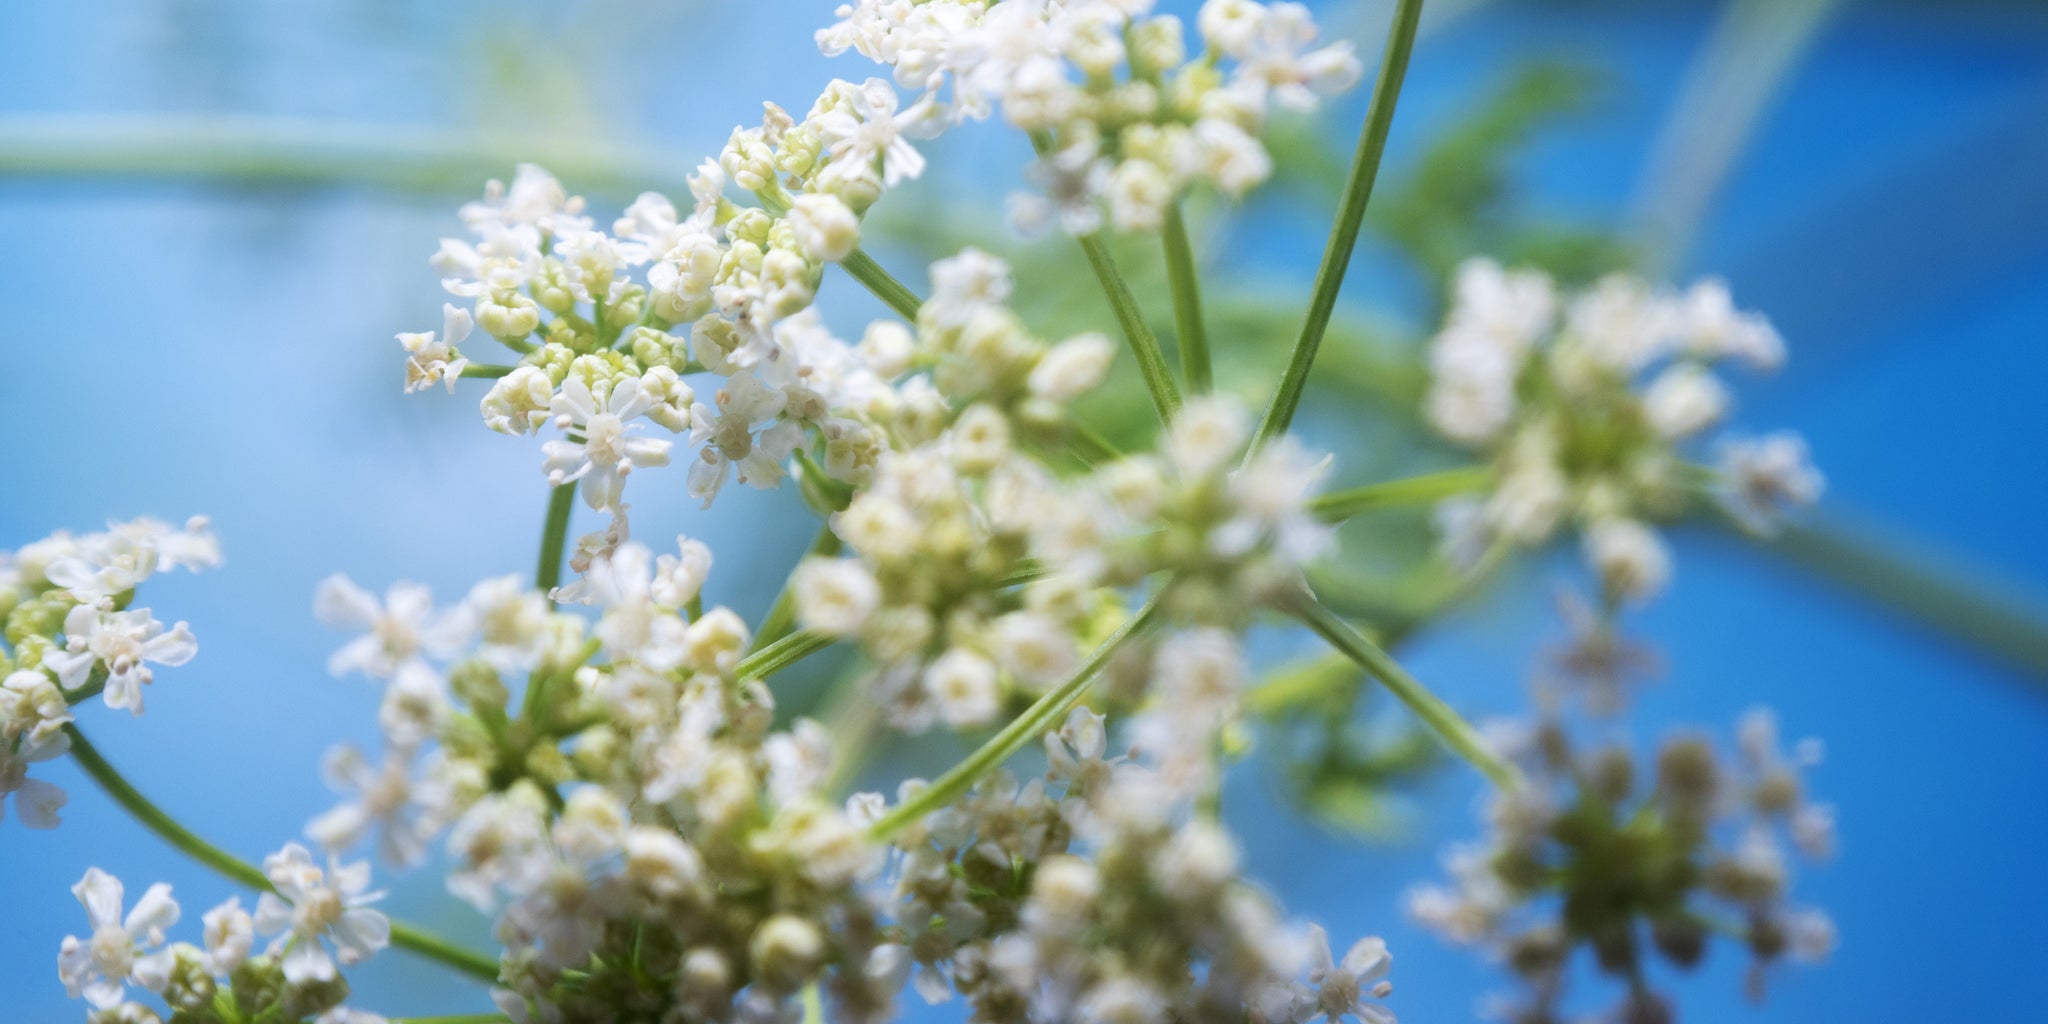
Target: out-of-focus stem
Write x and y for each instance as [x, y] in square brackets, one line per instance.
[1338, 506]
[554, 537]
[1187, 300]
[1456, 733]
[1365, 167]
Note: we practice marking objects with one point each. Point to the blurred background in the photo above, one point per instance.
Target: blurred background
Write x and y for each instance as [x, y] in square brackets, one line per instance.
[214, 216]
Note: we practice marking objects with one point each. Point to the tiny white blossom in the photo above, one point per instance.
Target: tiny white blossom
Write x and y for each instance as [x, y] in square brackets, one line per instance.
[432, 360]
[125, 644]
[100, 967]
[600, 450]
[310, 905]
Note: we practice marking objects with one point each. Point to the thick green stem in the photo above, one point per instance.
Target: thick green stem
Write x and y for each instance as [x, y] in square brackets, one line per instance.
[781, 616]
[1338, 506]
[554, 537]
[892, 292]
[1042, 716]
[486, 370]
[1151, 361]
[781, 654]
[1456, 733]
[237, 870]
[1187, 301]
[1365, 167]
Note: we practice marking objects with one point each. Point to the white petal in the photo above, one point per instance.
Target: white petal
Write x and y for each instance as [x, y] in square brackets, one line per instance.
[360, 933]
[307, 961]
[153, 913]
[101, 894]
[339, 602]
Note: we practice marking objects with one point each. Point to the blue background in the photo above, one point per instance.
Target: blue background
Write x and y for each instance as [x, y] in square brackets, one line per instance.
[171, 349]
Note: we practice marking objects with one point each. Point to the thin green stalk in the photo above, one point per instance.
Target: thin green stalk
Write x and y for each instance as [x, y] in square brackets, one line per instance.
[237, 870]
[1446, 723]
[317, 153]
[781, 616]
[486, 370]
[1187, 301]
[554, 537]
[1338, 506]
[1089, 445]
[781, 654]
[1922, 585]
[1365, 167]
[892, 292]
[1151, 361]
[1043, 715]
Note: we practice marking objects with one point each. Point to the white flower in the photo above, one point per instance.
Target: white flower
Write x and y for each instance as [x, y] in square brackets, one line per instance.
[1684, 400]
[826, 229]
[1206, 434]
[1763, 477]
[964, 284]
[430, 360]
[1276, 60]
[1072, 368]
[1343, 988]
[835, 595]
[33, 713]
[308, 907]
[963, 686]
[520, 402]
[384, 802]
[1712, 327]
[600, 450]
[35, 800]
[400, 628]
[228, 935]
[100, 967]
[1628, 555]
[124, 643]
[868, 135]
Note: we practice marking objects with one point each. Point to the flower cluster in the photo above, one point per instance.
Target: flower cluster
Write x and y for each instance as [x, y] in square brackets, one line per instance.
[1583, 403]
[226, 981]
[649, 840]
[1100, 894]
[1601, 853]
[72, 632]
[1127, 121]
[1234, 532]
[608, 322]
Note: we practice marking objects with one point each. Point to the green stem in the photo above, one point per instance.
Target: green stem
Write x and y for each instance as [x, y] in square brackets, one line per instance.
[1187, 301]
[781, 654]
[1043, 715]
[319, 153]
[781, 616]
[1151, 361]
[1338, 506]
[486, 370]
[554, 537]
[892, 292]
[1089, 445]
[237, 870]
[1446, 723]
[1365, 166]
[1923, 586]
